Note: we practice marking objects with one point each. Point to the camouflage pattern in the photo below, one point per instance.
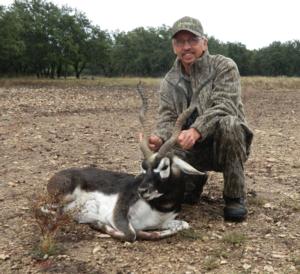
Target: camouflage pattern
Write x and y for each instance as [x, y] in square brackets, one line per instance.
[189, 24]
[226, 138]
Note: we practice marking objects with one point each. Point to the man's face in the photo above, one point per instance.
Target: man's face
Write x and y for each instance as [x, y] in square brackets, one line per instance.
[188, 47]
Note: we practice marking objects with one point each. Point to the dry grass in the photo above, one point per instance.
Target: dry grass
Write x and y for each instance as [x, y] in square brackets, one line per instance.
[272, 83]
[50, 219]
[290, 203]
[257, 201]
[84, 82]
[261, 83]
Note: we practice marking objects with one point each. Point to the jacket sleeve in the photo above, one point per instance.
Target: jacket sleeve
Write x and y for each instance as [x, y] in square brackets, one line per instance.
[225, 97]
[167, 114]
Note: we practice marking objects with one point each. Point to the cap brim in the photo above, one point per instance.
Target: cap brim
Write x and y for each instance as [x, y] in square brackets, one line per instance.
[189, 30]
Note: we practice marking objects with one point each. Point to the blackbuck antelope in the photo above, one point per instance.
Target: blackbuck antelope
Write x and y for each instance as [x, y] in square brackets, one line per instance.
[125, 206]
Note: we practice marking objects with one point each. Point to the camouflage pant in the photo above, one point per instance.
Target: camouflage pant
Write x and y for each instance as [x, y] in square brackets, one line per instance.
[226, 151]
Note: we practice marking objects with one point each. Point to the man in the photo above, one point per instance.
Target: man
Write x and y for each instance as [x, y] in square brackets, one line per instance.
[216, 136]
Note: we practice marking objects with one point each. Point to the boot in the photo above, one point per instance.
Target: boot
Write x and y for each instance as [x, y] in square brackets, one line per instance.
[194, 188]
[235, 209]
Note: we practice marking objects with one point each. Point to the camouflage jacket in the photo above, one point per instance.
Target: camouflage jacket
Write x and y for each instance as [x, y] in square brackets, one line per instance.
[220, 97]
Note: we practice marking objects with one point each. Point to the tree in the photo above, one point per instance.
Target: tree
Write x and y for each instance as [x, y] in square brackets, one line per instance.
[77, 30]
[11, 44]
[37, 37]
[99, 48]
[215, 46]
[143, 52]
[240, 55]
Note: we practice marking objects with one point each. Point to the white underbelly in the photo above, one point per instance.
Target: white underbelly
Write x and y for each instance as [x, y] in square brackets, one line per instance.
[89, 207]
[143, 217]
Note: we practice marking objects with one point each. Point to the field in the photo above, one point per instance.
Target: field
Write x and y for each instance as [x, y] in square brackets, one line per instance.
[46, 126]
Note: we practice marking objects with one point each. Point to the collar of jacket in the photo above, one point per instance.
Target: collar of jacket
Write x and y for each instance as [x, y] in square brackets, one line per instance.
[201, 67]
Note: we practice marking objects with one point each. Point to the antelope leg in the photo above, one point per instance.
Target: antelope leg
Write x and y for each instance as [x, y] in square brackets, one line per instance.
[169, 229]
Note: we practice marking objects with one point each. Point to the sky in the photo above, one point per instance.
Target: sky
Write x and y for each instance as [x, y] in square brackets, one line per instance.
[254, 23]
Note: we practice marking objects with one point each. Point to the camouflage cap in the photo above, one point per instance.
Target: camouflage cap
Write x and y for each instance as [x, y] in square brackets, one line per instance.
[189, 24]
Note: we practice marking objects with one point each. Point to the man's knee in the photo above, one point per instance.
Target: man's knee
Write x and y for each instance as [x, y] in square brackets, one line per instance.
[231, 141]
[230, 128]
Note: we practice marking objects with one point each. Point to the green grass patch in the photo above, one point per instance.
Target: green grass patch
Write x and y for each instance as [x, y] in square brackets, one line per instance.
[47, 247]
[256, 201]
[296, 262]
[211, 263]
[291, 203]
[220, 253]
[191, 234]
[234, 238]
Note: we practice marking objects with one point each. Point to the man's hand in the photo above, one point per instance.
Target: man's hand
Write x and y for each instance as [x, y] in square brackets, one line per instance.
[187, 138]
[155, 142]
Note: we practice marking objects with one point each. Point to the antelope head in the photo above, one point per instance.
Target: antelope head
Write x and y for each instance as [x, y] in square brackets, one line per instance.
[163, 168]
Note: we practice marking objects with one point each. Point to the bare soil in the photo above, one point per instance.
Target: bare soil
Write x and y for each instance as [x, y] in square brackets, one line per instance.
[45, 129]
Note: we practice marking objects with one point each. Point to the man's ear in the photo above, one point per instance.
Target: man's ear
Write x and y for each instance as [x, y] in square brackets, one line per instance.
[205, 43]
[173, 46]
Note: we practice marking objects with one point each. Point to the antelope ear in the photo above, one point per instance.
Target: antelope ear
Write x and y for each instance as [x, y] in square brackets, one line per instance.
[185, 167]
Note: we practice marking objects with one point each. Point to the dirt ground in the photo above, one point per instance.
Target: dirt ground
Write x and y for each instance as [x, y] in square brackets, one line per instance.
[45, 129]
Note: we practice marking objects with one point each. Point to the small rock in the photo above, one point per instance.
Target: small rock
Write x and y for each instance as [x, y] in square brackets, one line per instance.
[127, 244]
[282, 235]
[278, 256]
[62, 257]
[223, 262]
[14, 267]
[205, 238]
[269, 268]
[4, 257]
[96, 249]
[246, 266]
[268, 205]
[272, 160]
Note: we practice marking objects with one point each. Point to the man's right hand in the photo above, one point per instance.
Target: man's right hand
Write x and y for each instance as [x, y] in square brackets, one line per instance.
[155, 142]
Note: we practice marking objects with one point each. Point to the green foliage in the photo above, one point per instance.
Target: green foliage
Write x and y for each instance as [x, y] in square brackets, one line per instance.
[191, 234]
[37, 37]
[211, 263]
[12, 45]
[142, 52]
[235, 238]
[279, 59]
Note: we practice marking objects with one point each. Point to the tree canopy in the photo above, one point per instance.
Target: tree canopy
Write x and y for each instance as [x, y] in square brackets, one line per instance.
[37, 37]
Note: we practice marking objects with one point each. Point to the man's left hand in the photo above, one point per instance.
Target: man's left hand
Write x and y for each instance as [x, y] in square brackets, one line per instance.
[187, 138]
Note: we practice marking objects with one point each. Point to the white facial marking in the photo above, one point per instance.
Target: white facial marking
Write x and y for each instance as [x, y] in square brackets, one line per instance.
[163, 168]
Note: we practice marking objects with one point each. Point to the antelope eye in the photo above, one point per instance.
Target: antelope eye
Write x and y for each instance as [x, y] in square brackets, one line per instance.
[164, 168]
[165, 172]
